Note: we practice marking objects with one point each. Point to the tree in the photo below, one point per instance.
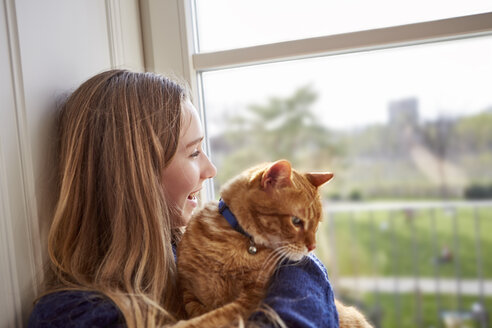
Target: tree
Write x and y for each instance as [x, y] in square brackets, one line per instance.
[281, 128]
[439, 136]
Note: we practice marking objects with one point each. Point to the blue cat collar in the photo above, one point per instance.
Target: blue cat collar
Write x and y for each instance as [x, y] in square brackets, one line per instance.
[231, 219]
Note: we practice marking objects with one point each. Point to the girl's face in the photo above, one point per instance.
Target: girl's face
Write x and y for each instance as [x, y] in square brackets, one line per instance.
[183, 177]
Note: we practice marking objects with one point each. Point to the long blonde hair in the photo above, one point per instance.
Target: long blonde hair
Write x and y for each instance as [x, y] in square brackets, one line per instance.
[111, 231]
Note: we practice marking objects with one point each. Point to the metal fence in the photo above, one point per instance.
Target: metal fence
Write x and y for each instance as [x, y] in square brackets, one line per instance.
[413, 233]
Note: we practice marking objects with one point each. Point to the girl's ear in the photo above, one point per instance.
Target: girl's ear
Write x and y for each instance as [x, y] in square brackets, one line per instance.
[318, 179]
[277, 176]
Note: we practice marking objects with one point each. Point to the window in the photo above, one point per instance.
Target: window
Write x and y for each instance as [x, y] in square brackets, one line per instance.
[387, 122]
[396, 102]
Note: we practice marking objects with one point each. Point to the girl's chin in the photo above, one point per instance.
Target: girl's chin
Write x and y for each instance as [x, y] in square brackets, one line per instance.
[188, 211]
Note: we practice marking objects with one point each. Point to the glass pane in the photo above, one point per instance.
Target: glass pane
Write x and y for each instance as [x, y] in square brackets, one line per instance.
[399, 128]
[225, 24]
[413, 122]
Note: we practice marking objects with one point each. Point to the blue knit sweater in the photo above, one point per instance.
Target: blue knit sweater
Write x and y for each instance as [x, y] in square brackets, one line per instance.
[300, 293]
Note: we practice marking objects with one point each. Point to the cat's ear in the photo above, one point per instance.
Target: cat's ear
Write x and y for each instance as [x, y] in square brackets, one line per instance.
[277, 175]
[318, 179]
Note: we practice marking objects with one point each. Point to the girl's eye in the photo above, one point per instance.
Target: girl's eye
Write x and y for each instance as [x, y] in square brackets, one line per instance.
[296, 221]
[196, 153]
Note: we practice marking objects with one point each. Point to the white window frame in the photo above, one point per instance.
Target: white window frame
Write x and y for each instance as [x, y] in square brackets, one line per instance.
[192, 64]
[380, 38]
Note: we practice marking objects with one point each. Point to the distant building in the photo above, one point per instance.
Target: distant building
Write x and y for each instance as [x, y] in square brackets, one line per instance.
[404, 113]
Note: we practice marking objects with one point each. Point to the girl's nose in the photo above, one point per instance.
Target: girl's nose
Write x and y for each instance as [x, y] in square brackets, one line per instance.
[209, 170]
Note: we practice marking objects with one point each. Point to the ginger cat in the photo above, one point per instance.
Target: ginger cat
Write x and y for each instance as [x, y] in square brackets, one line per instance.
[224, 274]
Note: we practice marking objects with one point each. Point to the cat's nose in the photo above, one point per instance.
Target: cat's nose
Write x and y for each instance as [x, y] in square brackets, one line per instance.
[311, 247]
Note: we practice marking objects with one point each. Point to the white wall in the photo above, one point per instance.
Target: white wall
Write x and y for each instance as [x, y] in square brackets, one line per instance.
[47, 48]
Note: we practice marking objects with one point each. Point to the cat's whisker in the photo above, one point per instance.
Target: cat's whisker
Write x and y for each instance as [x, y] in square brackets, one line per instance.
[283, 252]
[283, 255]
[278, 256]
[270, 257]
[274, 257]
[282, 247]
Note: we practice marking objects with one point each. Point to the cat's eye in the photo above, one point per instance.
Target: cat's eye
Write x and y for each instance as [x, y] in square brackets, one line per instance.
[296, 221]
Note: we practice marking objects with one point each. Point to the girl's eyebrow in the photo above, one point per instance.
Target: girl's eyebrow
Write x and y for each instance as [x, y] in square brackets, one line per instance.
[194, 142]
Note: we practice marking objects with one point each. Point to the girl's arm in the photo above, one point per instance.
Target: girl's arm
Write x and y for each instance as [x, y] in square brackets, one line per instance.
[75, 309]
[302, 296]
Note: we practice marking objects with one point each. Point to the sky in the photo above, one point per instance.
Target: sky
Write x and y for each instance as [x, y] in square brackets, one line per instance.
[448, 78]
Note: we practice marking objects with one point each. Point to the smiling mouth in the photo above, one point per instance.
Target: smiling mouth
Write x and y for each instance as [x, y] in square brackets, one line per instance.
[193, 195]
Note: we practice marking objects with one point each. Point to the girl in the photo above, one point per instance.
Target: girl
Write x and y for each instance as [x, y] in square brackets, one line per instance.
[131, 165]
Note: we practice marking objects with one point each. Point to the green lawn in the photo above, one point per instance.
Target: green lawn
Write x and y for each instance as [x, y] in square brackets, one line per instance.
[402, 311]
[400, 244]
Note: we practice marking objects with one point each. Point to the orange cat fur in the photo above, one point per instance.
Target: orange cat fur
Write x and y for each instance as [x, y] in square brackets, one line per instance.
[280, 209]
[350, 317]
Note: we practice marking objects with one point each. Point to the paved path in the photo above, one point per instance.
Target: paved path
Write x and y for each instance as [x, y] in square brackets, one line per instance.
[410, 284]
